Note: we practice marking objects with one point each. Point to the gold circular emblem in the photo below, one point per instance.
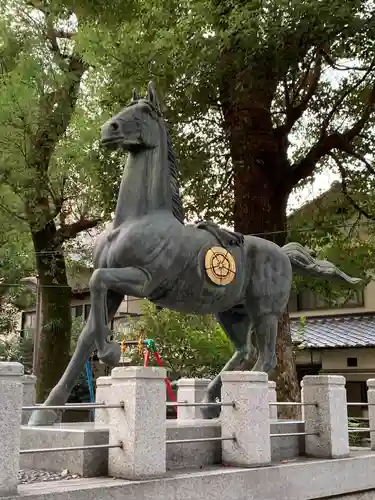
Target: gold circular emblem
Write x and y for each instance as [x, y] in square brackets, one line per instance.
[220, 266]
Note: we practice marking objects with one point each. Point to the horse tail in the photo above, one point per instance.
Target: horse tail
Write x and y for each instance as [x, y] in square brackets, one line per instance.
[304, 263]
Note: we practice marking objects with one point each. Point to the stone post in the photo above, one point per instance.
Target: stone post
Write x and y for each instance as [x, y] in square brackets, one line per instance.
[141, 425]
[103, 390]
[302, 399]
[190, 390]
[29, 395]
[371, 409]
[248, 421]
[272, 398]
[11, 390]
[329, 419]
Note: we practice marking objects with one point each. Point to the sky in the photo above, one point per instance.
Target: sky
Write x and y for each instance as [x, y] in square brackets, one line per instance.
[321, 183]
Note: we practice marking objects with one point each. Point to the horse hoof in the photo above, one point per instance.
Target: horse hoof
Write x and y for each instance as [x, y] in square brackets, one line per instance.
[210, 412]
[43, 417]
[111, 354]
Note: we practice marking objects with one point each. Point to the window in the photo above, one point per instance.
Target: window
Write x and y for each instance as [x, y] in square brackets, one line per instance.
[77, 311]
[81, 310]
[351, 362]
[28, 324]
[356, 393]
[87, 310]
[306, 300]
[29, 320]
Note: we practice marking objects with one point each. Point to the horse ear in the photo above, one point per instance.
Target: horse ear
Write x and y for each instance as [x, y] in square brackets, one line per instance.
[135, 95]
[151, 96]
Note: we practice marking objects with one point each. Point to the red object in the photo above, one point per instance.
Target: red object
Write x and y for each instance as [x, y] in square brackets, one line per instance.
[171, 394]
[146, 360]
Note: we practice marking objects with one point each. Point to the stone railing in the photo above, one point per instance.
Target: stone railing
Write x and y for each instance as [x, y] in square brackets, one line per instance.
[131, 404]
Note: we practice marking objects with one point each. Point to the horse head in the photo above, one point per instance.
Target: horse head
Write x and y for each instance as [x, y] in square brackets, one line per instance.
[137, 126]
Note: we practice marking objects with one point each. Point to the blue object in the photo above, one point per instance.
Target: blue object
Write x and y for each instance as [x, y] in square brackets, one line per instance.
[91, 385]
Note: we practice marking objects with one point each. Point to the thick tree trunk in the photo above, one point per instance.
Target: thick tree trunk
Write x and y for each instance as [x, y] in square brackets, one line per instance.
[260, 164]
[56, 312]
[285, 375]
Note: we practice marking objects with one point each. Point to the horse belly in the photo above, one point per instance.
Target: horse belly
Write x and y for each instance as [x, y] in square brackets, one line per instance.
[194, 292]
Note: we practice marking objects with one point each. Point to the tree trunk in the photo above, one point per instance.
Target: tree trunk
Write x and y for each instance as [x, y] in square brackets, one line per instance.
[285, 374]
[260, 164]
[56, 309]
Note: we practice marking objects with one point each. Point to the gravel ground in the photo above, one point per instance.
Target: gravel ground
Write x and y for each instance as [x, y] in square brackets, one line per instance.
[37, 476]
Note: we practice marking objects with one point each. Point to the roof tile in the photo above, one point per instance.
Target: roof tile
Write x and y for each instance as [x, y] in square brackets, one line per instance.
[336, 331]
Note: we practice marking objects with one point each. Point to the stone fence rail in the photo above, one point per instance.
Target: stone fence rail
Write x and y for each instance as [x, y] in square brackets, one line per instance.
[132, 405]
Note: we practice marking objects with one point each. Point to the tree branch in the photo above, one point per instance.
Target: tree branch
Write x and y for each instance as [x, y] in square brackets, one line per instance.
[56, 109]
[309, 84]
[345, 190]
[70, 231]
[341, 67]
[13, 214]
[306, 166]
[350, 150]
[328, 142]
[353, 131]
[341, 99]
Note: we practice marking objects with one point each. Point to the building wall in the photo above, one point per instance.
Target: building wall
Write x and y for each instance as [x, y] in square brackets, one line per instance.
[335, 362]
[131, 306]
[369, 306]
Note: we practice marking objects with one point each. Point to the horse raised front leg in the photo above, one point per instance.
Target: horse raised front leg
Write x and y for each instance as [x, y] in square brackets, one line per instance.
[85, 347]
[127, 281]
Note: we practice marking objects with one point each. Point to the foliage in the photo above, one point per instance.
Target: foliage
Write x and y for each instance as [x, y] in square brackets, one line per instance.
[189, 346]
[18, 349]
[262, 96]
[77, 327]
[310, 66]
[356, 438]
[8, 318]
[54, 181]
[340, 235]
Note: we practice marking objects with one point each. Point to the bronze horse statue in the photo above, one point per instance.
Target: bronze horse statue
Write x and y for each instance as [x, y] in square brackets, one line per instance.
[148, 252]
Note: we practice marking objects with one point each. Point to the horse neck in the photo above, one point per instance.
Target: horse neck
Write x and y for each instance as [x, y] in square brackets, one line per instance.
[145, 185]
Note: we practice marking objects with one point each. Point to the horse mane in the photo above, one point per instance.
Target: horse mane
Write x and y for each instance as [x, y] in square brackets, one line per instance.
[177, 208]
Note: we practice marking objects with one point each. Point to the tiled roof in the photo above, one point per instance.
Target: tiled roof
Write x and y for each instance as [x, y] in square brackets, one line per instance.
[337, 331]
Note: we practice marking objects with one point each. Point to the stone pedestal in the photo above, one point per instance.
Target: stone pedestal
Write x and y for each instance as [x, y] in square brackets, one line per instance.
[248, 421]
[371, 409]
[103, 389]
[141, 425]
[329, 419]
[272, 398]
[29, 395]
[190, 390]
[11, 394]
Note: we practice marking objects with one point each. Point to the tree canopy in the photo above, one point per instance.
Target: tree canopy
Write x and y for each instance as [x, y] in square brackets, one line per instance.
[190, 346]
[55, 182]
[260, 96]
[305, 71]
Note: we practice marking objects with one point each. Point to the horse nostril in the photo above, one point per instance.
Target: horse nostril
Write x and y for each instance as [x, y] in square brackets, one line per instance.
[114, 126]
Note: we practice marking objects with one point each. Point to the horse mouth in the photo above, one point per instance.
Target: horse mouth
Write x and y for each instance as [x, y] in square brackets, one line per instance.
[120, 143]
[112, 143]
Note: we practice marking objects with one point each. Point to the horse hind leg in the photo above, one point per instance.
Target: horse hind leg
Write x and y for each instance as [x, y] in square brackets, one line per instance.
[266, 334]
[236, 324]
